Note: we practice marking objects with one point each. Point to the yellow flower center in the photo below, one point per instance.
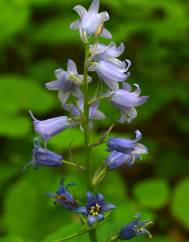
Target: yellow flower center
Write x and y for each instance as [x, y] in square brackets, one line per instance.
[95, 210]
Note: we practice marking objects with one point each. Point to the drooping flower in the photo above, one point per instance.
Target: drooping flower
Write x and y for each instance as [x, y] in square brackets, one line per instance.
[124, 151]
[107, 66]
[95, 208]
[91, 22]
[76, 111]
[106, 52]
[67, 83]
[63, 196]
[134, 229]
[50, 127]
[126, 101]
[44, 157]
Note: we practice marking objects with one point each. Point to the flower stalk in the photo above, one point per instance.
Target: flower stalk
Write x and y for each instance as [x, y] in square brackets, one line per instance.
[92, 233]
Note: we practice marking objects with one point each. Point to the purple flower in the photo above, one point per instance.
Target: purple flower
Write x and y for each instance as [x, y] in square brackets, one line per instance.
[126, 101]
[50, 127]
[91, 22]
[95, 208]
[124, 151]
[108, 67]
[67, 83]
[76, 111]
[44, 157]
[63, 196]
[106, 52]
[134, 229]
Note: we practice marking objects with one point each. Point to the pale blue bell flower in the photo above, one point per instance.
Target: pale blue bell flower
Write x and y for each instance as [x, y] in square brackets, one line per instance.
[91, 22]
[50, 127]
[126, 100]
[68, 82]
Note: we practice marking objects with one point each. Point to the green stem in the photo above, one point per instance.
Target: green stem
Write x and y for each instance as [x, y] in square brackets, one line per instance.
[92, 233]
[86, 117]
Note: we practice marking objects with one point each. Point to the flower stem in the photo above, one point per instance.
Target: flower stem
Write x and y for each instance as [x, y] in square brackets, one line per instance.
[86, 117]
[92, 233]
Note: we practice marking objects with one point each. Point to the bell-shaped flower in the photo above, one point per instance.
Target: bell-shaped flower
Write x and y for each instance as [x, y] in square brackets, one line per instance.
[44, 157]
[107, 66]
[95, 208]
[76, 111]
[124, 151]
[134, 229]
[64, 197]
[91, 22]
[50, 127]
[126, 101]
[106, 52]
[67, 83]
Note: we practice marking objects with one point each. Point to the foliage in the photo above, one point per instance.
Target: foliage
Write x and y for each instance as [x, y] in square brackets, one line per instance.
[35, 40]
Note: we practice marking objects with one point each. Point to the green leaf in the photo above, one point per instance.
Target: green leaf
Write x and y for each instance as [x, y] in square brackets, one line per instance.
[180, 208]
[27, 200]
[14, 126]
[152, 193]
[65, 231]
[19, 93]
[155, 238]
[55, 31]
[15, 238]
[14, 16]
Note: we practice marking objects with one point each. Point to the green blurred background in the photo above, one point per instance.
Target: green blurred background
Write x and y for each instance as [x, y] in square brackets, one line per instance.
[35, 39]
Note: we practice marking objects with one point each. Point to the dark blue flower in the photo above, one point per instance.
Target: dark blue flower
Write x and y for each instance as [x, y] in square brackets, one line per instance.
[134, 229]
[63, 196]
[124, 151]
[50, 127]
[95, 208]
[44, 157]
[91, 22]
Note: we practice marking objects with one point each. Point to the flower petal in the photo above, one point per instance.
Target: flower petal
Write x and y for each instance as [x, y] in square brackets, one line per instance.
[80, 10]
[90, 197]
[75, 25]
[104, 16]
[138, 135]
[94, 8]
[91, 220]
[106, 34]
[72, 66]
[82, 210]
[100, 197]
[108, 206]
[63, 96]
[100, 217]
[140, 149]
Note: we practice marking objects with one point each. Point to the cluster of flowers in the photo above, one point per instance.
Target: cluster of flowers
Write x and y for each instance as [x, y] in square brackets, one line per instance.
[103, 59]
